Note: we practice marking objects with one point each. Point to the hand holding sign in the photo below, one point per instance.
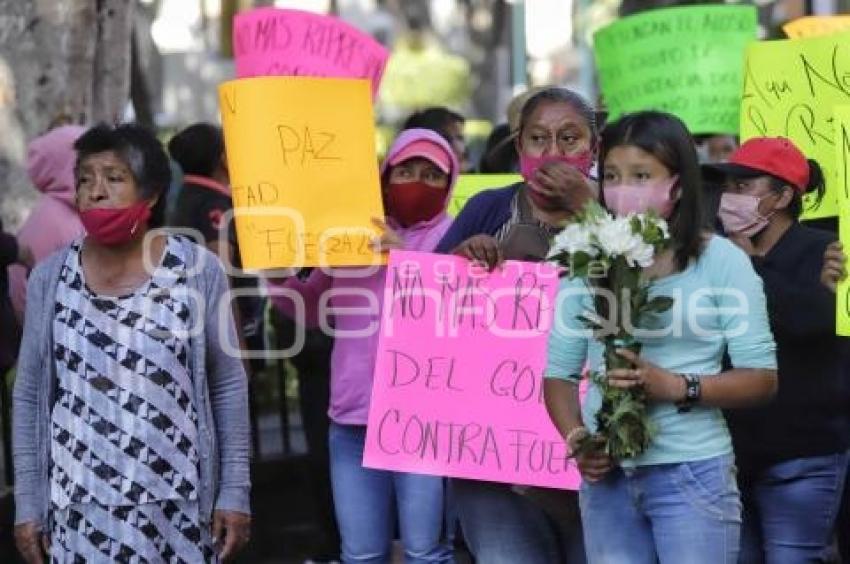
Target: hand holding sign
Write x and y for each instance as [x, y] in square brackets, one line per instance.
[389, 239]
[842, 157]
[834, 266]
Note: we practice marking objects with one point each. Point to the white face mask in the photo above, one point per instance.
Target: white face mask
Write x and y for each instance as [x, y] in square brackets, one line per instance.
[740, 214]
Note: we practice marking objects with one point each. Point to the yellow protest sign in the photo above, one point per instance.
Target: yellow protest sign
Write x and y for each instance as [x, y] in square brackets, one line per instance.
[815, 26]
[842, 159]
[470, 184]
[791, 89]
[303, 168]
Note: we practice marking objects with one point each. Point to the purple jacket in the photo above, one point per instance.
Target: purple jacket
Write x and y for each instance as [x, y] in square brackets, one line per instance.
[356, 334]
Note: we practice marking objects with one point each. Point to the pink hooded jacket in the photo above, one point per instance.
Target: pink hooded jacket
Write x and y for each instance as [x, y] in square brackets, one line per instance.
[353, 357]
[53, 221]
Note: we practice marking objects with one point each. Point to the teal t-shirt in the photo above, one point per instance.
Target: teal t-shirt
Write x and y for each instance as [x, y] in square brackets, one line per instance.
[719, 306]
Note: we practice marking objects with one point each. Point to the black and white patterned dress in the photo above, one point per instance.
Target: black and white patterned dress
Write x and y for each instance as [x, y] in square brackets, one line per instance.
[124, 463]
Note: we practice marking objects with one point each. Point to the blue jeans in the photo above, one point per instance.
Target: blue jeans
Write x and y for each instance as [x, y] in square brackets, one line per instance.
[501, 526]
[790, 510]
[684, 513]
[368, 501]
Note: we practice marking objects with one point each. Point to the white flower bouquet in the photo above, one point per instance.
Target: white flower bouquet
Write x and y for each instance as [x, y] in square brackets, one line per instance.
[610, 254]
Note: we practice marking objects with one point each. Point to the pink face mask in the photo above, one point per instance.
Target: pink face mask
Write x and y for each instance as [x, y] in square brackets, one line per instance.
[529, 165]
[739, 214]
[624, 199]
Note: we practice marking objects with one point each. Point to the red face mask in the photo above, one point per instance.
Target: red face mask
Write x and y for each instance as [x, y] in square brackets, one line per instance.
[414, 202]
[115, 226]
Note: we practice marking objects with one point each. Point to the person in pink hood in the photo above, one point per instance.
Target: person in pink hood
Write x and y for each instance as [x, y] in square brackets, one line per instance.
[417, 179]
[53, 222]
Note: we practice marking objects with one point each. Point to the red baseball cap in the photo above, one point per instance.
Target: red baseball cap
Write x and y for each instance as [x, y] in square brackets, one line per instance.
[776, 156]
[425, 149]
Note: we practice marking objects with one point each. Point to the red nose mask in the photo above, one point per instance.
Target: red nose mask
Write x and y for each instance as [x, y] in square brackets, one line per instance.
[115, 226]
[414, 202]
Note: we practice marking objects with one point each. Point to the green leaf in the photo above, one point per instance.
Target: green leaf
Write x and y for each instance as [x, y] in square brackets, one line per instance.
[639, 298]
[590, 320]
[658, 304]
[637, 225]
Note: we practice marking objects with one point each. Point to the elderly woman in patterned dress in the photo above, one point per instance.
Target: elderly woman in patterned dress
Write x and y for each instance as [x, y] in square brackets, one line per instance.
[131, 434]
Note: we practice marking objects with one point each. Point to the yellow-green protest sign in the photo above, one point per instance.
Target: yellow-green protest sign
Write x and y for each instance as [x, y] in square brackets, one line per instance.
[303, 169]
[816, 26]
[791, 89]
[470, 184]
[842, 159]
[687, 61]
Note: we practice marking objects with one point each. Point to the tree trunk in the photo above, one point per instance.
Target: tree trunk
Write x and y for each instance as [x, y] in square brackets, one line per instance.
[489, 52]
[67, 60]
[229, 8]
[111, 78]
[139, 90]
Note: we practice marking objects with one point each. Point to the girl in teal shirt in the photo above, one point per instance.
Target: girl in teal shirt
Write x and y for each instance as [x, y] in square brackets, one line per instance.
[678, 501]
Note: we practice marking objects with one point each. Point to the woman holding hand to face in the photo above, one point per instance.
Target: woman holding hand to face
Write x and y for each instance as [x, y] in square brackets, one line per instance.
[556, 142]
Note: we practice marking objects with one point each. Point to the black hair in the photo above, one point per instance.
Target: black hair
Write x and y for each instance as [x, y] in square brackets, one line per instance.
[560, 95]
[666, 138]
[817, 184]
[198, 148]
[437, 118]
[500, 154]
[700, 138]
[143, 154]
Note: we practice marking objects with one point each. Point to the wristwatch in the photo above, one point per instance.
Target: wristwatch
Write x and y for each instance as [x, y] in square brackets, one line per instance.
[693, 391]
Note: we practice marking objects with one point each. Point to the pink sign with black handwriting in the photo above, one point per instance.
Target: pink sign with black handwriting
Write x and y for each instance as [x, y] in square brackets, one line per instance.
[458, 388]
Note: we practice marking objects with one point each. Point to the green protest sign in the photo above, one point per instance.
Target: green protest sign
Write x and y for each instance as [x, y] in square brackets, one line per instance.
[470, 184]
[687, 61]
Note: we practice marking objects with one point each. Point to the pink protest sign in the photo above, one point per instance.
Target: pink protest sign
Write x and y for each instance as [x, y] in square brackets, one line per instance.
[281, 42]
[458, 387]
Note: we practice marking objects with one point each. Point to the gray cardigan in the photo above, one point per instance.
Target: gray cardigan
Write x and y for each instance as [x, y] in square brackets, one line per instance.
[220, 392]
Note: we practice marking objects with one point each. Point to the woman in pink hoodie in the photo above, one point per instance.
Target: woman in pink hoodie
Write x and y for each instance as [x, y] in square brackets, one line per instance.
[53, 222]
[417, 179]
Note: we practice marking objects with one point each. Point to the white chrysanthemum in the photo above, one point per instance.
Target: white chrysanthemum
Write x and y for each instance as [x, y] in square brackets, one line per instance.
[643, 255]
[615, 237]
[574, 238]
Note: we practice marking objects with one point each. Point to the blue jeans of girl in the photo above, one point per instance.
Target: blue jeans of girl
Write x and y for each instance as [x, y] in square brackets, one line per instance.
[683, 513]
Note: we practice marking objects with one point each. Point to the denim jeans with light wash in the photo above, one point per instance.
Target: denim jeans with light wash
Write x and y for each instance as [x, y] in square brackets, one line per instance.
[790, 510]
[367, 502]
[502, 526]
[683, 513]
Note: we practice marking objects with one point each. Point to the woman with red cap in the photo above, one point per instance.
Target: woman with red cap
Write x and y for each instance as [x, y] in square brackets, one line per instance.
[792, 453]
